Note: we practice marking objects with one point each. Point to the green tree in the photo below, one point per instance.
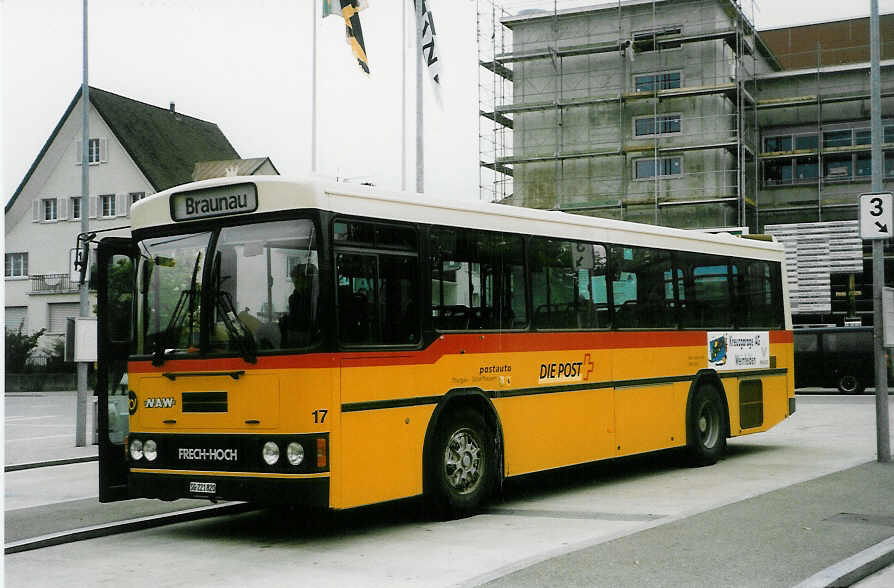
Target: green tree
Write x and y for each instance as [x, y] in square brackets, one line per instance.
[19, 346]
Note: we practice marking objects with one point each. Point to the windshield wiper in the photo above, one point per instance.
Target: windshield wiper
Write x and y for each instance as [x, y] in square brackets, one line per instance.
[236, 328]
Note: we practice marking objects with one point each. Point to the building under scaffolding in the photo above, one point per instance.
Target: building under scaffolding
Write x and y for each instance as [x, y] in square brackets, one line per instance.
[677, 113]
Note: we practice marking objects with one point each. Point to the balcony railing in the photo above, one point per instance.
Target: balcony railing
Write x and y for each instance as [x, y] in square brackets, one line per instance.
[52, 284]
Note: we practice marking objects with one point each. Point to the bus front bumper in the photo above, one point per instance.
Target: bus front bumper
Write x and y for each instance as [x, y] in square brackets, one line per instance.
[293, 490]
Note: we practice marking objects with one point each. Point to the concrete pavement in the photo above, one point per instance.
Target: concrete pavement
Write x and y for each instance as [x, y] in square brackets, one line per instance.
[773, 539]
[788, 526]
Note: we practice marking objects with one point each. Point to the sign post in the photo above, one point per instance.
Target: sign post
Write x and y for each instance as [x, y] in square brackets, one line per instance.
[876, 224]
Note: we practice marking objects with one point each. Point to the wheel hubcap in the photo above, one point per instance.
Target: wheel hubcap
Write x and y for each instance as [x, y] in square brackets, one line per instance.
[462, 461]
[708, 425]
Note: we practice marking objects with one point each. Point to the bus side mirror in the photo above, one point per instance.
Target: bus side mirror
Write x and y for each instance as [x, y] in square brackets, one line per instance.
[82, 260]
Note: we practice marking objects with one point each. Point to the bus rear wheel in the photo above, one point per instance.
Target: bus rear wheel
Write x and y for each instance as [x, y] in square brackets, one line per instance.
[463, 468]
[705, 427]
[850, 384]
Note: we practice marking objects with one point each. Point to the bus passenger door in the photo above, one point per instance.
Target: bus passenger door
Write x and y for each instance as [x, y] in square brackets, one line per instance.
[115, 280]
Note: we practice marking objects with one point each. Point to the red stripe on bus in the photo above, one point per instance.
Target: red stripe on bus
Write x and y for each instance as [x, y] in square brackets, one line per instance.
[450, 344]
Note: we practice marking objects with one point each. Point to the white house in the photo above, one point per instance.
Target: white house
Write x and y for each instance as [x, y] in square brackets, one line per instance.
[135, 150]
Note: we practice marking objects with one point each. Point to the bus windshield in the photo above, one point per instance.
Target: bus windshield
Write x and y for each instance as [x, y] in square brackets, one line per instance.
[249, 288]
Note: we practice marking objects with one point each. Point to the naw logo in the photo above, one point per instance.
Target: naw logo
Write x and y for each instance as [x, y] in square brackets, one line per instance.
[165, 402]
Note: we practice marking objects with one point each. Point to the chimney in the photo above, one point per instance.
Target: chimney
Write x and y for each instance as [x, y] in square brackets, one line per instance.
[172, 108]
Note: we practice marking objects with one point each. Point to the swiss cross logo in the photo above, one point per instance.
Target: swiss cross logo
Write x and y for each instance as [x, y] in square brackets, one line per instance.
[589, 366]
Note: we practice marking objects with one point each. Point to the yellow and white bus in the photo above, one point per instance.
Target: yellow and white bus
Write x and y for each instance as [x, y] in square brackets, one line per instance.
[316, 343]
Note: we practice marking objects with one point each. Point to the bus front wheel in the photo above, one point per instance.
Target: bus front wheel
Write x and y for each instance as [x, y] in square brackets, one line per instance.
[463, 468]
[705, 427]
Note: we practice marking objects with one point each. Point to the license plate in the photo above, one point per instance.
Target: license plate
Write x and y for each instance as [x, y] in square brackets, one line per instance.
[203, 487]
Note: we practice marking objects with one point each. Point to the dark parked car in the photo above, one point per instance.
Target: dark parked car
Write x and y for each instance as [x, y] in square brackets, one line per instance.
[837, 357]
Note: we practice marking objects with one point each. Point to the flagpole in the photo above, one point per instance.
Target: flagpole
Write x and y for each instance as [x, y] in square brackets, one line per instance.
[313, 107]
[403, 97]
[84, 296]
[420, 129]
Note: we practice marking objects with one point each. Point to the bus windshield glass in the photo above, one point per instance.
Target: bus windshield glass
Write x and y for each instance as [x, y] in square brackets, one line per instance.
[170, 293]
[242, 289]
[265, 282]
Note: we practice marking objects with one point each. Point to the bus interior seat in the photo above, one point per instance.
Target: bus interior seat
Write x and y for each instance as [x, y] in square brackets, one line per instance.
[451, 317]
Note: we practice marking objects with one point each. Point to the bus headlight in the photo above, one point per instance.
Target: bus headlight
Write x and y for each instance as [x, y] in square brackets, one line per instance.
[270, 453]
[295, 453]
[150, 450]
[136, 450]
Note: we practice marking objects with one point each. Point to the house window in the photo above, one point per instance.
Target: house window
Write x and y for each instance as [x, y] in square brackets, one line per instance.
[777, 173]
[666, 124]
[667, 166]
[93, 155]
[807, 168]
[644, 41]
[49, 212]
[136, 197]
[75, 207]
[658, 81]
[108, 205]
[862, 137]
[839, 167]
[864, 164]
[810, 142]
[837, 138]
[15, 265]
[781, 143]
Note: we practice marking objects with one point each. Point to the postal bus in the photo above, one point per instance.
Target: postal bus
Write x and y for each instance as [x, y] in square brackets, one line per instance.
[302, 342]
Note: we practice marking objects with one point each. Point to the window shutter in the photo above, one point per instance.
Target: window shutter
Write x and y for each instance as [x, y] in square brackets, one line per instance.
[62, 208]
[121, 204]
[93, 206]
[35, 211]
[128, 202]
[103, 150]
[58, 313]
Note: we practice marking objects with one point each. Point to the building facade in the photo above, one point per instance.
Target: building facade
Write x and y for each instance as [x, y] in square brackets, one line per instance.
[677, 113]
[135, 150]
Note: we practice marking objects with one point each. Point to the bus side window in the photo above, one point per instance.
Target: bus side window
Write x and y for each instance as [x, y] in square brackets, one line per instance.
[477, 280]
[643, 288]
[377, 290]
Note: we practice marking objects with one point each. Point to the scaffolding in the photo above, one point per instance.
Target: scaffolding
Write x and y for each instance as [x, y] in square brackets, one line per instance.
[648, 110]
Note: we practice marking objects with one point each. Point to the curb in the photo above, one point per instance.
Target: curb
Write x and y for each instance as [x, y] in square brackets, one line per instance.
[147, 522]
[44, 464]
[854, 568]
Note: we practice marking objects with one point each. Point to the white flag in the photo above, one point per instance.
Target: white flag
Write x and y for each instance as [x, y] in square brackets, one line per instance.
[427, 42]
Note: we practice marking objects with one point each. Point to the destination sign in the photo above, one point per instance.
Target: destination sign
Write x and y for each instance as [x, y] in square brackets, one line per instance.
[218, 201]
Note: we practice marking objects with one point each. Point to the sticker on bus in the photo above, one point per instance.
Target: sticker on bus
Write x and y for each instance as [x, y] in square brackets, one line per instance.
[728, 350]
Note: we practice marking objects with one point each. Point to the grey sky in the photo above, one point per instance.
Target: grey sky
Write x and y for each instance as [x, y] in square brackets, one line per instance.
[246, 66]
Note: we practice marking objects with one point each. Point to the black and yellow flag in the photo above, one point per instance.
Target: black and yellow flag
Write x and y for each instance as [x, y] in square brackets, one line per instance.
[350, 10]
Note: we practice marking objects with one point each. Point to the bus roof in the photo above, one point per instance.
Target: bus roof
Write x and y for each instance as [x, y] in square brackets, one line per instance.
[277, 193]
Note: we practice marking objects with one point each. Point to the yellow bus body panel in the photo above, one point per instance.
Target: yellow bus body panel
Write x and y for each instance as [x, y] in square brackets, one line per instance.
[618, 402]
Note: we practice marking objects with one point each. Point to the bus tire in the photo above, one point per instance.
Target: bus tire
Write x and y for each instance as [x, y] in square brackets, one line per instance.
[850, 384]
[463, 465]
[705, 426]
